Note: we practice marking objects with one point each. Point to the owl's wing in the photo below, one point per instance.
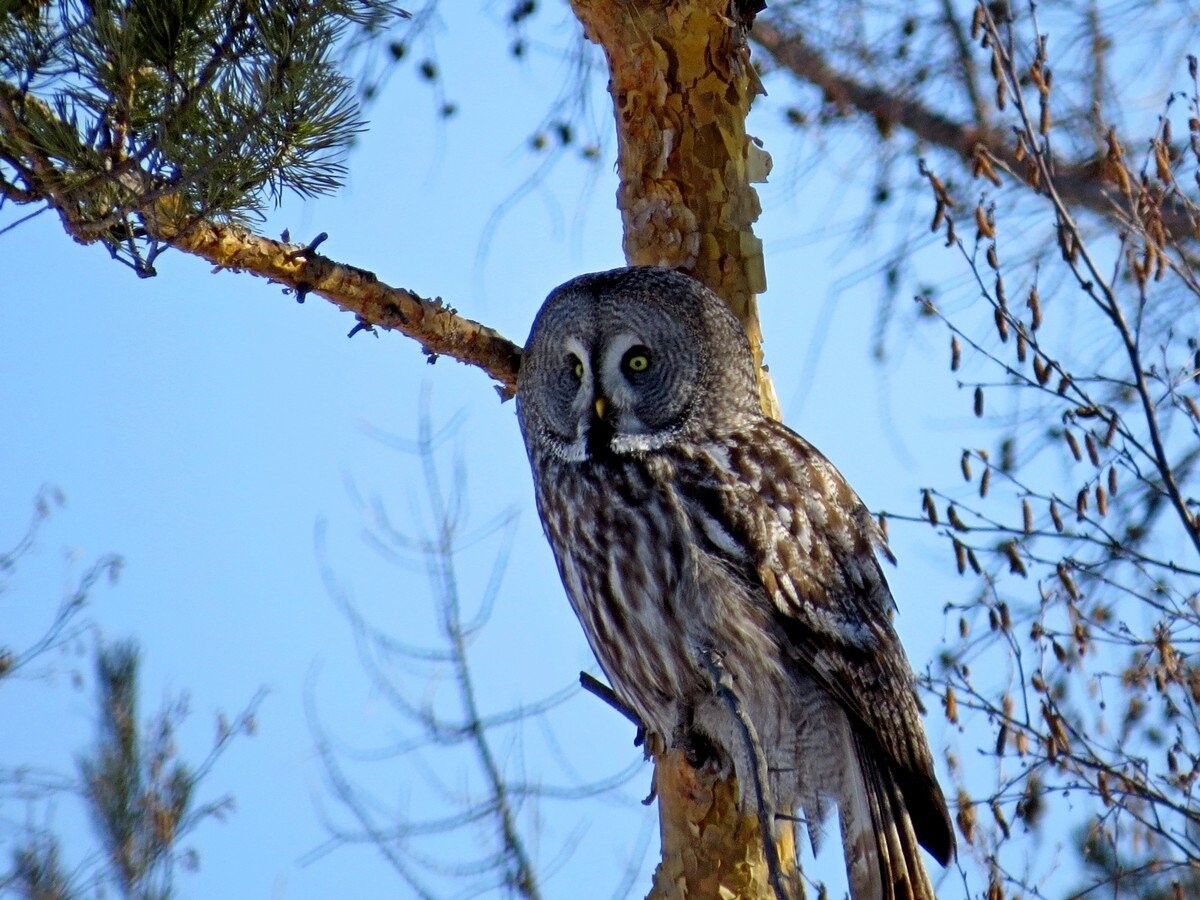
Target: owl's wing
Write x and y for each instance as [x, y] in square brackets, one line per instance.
[782, 516]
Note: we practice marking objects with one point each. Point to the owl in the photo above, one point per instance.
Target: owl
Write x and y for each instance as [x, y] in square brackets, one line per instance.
[688, 528]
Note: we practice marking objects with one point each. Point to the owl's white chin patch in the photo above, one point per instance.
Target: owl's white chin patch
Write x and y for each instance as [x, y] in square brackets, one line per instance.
[587, 444]
[624, 442]
[621, 444]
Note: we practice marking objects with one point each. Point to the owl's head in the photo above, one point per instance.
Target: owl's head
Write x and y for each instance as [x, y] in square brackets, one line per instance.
[632, 360]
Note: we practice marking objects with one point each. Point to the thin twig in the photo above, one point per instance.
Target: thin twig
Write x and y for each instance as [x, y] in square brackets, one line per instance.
[1108, 303]
[966, 63]
[595, 686]
[722, 683]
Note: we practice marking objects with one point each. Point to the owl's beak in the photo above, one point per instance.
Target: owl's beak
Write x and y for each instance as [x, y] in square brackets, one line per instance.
[599, 429]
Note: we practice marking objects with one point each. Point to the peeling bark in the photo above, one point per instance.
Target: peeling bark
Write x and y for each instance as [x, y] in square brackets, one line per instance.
[681, 82]
[709, 850]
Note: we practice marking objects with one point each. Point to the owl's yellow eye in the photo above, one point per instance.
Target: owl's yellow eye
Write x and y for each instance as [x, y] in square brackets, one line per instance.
[577, 368]
[637, 359]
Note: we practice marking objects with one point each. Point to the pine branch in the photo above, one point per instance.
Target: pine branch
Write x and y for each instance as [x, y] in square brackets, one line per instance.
[163, 216]
[439, 329]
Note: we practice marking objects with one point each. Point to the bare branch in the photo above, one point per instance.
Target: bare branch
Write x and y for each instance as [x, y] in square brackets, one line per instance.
[1079, 183]
[966, 63]
[594, 685]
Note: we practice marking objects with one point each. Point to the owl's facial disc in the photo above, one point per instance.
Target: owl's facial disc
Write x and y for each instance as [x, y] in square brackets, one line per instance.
[625, 363]
[616, 388]
[603, 408]
[636, 396]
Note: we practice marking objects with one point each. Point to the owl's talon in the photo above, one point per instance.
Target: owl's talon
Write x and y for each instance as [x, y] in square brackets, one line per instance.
[699, 751]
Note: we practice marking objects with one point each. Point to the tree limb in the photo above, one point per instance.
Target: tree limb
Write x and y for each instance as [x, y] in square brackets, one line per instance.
[93, 209]
[1080, 183]
[439, 329]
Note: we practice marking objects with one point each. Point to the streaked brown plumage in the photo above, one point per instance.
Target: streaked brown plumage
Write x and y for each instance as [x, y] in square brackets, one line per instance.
[685, 522]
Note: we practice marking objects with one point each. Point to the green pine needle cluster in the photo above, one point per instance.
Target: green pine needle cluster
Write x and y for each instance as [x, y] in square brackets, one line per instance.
[115, 112]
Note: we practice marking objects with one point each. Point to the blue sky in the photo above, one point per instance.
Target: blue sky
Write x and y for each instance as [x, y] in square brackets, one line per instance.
[201, 426]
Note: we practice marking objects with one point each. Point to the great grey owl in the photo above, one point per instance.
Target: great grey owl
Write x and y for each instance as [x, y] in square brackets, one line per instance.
[687, 524]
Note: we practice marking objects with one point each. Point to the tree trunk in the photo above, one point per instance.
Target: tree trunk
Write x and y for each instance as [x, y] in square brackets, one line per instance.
[682, 84]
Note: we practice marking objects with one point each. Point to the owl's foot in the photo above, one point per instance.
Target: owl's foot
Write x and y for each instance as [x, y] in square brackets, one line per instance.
[700, 751]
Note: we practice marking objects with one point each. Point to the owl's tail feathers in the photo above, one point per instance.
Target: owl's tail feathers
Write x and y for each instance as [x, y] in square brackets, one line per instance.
[883, 858]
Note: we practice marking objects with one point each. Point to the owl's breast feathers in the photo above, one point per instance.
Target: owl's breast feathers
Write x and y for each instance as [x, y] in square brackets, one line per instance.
[622, 556]
[777, 511]
[752, 544]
